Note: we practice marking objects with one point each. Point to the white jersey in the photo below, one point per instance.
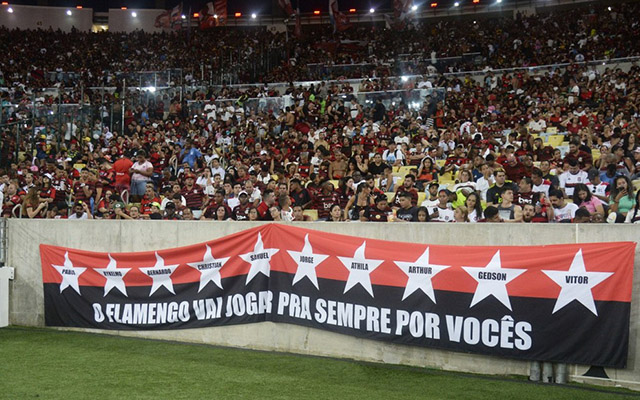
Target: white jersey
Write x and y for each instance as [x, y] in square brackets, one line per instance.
[444, 214]
[543, 187]
[599, 189]
[566, 212]
[568, 181]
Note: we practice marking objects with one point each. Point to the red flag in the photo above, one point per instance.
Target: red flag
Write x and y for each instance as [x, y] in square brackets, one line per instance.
[207, 16]
[221, 11]
[401, 12]
[163, 20]
[339, 20]
[286, 7]
[176, 17]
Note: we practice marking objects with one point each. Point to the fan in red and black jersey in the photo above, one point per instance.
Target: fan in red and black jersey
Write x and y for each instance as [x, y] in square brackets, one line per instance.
[241, 211]
[324, 199]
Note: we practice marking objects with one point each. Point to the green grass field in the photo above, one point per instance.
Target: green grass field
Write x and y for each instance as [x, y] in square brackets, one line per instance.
[50, 364]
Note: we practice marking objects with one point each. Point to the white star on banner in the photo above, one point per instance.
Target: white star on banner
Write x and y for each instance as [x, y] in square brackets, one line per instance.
[360, 269]
[161, 275]
[70, 274]
[420, 273]
[307, 262]
[209, 269]
[259, 259]
[492, 281]
[114, 277]
[576, 284]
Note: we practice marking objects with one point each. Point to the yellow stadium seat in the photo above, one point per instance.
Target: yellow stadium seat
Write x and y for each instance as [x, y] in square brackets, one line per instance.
[636, 184]
[595, 154]
[312, 213]
[446, 177]
[390, 196]
[335, 182]
[552, 130]
[440, 163]
[421, 197]
[556, 140]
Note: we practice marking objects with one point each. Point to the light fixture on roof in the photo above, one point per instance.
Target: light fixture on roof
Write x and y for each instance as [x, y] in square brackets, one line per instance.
[79, 7]
[404, 78]
[215, 16]
[123, 8]
[414, 7]
[372, 10]
[254, 16]
[69, 12]
[498, 1]
[316, 12]
[10, 10]
[183, 16]
[134, 14]
[456, 4]
[609, 8]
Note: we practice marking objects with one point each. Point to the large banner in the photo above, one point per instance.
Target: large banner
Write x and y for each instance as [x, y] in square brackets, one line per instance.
[563, 303]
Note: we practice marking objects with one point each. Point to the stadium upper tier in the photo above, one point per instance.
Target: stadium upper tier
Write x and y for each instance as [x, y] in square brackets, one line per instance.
[589, 31]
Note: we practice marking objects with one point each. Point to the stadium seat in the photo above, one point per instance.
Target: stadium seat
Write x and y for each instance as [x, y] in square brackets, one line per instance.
[390, 196]
[555, 140]
[421, 197]
[312, 213]
[552, 130]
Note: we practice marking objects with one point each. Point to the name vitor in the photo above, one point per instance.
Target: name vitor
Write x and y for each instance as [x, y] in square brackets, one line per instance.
[68, 272]
[493, 276]
[162, 271]
[208, 266]
[420, 270]
[583, 280]
[259, 256]
[360, 266]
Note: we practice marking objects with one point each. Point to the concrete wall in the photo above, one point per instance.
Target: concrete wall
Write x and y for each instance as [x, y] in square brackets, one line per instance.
[27, 303]
[35, 17]
[124, 21]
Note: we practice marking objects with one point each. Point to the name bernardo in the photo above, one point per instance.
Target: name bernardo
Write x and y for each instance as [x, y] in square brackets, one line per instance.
[161, 271]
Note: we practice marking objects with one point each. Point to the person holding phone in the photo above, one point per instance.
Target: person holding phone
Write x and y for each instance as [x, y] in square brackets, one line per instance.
[621, 199]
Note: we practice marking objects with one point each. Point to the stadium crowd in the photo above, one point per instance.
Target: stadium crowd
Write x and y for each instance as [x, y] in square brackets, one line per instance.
[583, 33]
[562, 146]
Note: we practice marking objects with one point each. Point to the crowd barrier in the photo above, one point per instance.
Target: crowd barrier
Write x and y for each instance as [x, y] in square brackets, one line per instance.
[27, 303]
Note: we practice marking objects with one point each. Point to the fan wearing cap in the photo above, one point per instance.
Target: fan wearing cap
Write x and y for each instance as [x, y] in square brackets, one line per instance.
[241, 211]
[193, 193]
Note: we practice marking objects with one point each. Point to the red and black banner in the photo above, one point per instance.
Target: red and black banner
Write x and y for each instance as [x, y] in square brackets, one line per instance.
[562, 303]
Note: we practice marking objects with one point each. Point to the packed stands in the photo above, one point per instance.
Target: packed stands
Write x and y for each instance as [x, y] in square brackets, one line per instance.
[86, 136]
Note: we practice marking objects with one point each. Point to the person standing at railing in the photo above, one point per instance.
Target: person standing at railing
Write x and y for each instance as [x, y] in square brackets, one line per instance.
[140, 172]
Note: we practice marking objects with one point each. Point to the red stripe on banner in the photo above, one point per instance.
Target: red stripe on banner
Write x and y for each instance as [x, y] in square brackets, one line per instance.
[615, 258]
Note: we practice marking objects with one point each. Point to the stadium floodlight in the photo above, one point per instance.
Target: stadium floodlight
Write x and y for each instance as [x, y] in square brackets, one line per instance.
[372, 10]
[134, 14]
[10, 10]
[609, 8]
[254, 16]
[456, 4]
[414, 7]
[498, 1]
[150, 89]
[404, 78]
[183, 16]
[215, 16]
[69, 12]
